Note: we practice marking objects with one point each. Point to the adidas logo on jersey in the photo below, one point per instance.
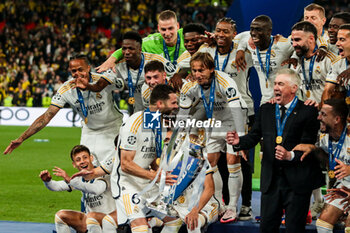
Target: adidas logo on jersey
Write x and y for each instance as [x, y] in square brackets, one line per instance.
[146, 139]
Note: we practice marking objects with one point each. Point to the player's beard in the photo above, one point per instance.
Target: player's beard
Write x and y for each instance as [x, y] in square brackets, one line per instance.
[302, 50]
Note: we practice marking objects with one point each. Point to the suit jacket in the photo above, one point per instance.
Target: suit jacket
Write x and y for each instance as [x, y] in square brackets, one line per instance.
[301, 127]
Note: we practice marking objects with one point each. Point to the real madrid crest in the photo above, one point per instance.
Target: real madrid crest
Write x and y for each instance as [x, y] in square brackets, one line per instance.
[233, 65]
[98, 95]
[318, 70]
[273, 54]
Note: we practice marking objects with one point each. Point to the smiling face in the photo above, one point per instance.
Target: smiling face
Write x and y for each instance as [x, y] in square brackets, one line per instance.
[326, 118]
[79, 68]
[192, 42]
[154, 77]
[202, 74]
[168, 29]
[224, 34]
[170, 105]
[343, 43]
[83, 160]
[283, 89]
[302, 42]
[260, 33]
[333, 28]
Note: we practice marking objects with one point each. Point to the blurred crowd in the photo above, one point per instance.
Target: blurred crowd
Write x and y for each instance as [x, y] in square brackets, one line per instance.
[38, 36]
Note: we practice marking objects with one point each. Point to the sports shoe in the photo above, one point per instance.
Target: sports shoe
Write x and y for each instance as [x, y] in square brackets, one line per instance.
[245, 213]
[316, 209]
[229, 216]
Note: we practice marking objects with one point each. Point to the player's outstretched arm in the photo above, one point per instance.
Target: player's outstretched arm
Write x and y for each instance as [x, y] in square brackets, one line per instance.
[84, 84]
[108, 64]
[37, 125]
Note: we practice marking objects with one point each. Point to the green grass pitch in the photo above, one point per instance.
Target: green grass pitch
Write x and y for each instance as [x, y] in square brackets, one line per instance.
[23, 196]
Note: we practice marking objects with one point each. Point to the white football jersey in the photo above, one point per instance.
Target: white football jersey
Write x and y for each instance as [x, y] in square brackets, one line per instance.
[227, 99]
[241, 78]
[102, 110]
[319, 74]
[281, 50]
[134, 137]
[344, 155]
[122, 73]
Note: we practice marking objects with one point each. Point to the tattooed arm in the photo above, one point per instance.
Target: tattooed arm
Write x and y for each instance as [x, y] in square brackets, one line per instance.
[37, 125]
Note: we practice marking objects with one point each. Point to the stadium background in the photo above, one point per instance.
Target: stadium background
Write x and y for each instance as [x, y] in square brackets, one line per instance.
[36, 39]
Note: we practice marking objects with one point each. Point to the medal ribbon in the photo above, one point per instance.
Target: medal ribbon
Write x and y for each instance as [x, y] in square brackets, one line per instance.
[217, 65]
[280, 126]
[335, 155]
[311, 68]
[84, 108]
[209, 108]
[130, 84]
[176, 53]
[267, 62]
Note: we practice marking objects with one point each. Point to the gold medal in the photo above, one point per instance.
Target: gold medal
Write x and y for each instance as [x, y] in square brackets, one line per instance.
[267, 84]
[158, 161]
[131, 100]
[181, 199]
[279, 139]
[347, 99]
[308, 93]
[331, 174]
[86, 120]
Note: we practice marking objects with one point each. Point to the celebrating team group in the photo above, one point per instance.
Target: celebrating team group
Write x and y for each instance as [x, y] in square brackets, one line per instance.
[187, 74]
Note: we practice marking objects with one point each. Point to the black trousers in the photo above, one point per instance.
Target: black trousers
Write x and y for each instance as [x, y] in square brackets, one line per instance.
[281, 197]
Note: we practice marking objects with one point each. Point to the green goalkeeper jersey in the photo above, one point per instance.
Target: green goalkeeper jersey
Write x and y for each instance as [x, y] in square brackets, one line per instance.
[154, 44]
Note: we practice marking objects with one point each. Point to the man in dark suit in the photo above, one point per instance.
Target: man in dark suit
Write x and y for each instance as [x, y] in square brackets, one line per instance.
[286, 180]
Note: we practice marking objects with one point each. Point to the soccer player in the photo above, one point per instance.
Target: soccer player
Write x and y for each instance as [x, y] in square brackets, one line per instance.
[315, 14]
[206, 212]
[96, 195]
[138, 148]
[130, 70]
[192, 40]
[224, 55]
[221, 101]
[312, 73]
[101, 118]
[154, 75]
[335, 142]
[267, 56]
[169, 42]
[340, 65]
[337, 20]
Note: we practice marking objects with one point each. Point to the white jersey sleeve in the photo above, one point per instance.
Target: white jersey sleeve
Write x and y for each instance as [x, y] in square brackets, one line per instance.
[97, 187]
[56, 186]
[145, 94]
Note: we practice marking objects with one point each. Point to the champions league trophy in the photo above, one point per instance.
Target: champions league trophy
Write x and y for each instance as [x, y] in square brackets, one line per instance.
[184, 157]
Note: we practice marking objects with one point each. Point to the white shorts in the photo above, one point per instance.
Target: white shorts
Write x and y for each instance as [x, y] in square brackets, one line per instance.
[336, 202]
[217, 142]
[209, 211]
[100, 142]
[133, 205]
[121, 214]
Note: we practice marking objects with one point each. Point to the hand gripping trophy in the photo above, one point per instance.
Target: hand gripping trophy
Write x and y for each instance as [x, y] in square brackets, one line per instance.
[184, 156]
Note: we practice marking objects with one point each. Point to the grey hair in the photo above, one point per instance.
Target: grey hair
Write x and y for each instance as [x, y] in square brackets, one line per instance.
[293, 76]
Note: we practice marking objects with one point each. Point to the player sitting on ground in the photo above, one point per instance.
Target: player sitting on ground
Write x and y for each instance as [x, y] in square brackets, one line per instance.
[96, 194]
